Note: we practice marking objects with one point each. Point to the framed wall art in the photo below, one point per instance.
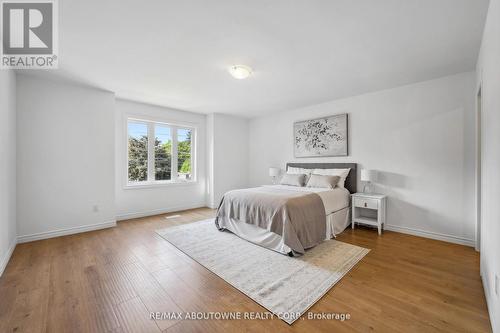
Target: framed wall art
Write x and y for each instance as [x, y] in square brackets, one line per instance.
[325, 136]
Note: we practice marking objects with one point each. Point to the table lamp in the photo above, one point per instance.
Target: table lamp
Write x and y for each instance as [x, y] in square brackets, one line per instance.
[368, 176]
[274, 173]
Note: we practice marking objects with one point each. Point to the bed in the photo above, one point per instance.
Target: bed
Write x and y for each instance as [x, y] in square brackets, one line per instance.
[289, 219]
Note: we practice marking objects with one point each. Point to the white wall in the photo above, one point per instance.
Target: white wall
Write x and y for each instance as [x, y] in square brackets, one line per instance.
[137, 202]
[488, 70]
[65, 158]
[7, 166]
[419, 137]
[228, 160]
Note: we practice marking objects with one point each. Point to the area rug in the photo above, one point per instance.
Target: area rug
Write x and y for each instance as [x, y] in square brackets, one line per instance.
[285, 286]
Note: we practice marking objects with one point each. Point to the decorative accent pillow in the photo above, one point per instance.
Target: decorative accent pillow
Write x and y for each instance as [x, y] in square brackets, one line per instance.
[293, 179]
[323, 181]
[342, 173]
[295, 171]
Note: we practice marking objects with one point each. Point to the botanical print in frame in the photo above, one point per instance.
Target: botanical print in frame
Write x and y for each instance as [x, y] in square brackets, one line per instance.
[321, 137]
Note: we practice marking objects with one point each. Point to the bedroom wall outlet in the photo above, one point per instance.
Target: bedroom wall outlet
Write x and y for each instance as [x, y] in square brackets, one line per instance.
[96, 208]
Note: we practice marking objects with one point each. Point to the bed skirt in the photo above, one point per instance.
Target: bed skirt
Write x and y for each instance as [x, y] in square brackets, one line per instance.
[336, 222]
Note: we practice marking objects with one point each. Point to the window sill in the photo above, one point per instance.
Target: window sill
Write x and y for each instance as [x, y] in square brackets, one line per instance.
[144, 185]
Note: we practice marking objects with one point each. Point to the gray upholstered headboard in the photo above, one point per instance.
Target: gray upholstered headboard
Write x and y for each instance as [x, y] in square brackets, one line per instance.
[351, 181]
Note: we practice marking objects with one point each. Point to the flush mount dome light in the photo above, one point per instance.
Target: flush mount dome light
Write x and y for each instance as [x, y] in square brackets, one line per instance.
[240, 72]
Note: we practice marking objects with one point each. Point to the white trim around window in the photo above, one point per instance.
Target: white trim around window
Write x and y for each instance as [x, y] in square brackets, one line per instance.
[174, 127]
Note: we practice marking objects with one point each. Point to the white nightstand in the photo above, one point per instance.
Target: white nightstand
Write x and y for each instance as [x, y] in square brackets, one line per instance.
[369, 208]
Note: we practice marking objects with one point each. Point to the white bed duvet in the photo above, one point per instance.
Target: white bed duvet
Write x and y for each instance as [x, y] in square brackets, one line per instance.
[336, 202]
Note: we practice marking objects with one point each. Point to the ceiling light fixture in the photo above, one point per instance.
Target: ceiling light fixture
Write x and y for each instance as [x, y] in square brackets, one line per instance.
[240, 72]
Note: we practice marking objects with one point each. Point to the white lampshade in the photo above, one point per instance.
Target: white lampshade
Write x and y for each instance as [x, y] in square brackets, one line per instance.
[368, 175]
[274, 172]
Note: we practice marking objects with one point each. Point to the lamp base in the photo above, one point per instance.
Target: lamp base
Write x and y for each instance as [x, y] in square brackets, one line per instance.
[368, 188]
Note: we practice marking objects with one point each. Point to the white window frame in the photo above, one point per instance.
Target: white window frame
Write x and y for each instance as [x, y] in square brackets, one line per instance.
[150, 122]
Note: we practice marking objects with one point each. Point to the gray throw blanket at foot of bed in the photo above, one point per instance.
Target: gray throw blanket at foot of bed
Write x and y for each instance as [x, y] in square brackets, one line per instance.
[298, 217]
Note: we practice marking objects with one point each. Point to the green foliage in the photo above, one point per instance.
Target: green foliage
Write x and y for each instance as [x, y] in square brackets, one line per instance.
[184, 156]
[163, 160]
[138, 158]
[186, 166]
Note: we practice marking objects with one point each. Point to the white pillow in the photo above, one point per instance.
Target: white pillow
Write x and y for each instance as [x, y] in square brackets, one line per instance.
[323, 181]
[300, 171]
[293, 179]
[342, 173]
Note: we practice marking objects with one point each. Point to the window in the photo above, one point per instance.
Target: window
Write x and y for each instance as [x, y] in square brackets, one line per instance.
[184, 153]
[163, 152]
[159, 153]
[137, 152]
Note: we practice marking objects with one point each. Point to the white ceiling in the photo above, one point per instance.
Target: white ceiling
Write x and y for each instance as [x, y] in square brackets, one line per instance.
[176, 53]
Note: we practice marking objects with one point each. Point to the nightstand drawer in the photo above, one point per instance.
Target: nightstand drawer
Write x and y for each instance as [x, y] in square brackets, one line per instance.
[366, 203]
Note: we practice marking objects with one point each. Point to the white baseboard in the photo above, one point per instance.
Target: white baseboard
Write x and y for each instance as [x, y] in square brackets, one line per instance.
[6, 257]
[432, 235]
[64, 232]
[136, 215]
[489, 306]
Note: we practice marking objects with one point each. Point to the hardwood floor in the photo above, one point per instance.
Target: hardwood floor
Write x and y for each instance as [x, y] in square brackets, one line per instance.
[110, 280]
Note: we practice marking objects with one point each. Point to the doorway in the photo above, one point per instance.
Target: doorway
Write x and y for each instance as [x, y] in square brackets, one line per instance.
[479, 159]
